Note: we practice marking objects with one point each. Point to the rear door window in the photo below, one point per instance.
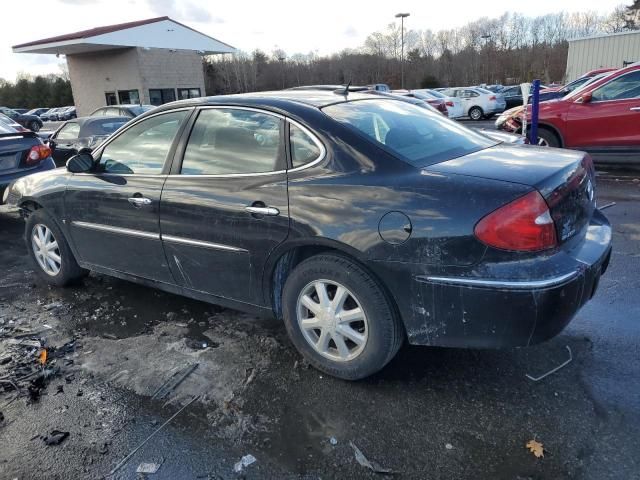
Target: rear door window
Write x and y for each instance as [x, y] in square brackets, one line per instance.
[226, 141]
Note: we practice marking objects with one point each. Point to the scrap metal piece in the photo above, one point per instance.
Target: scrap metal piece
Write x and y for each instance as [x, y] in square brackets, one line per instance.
[564, 364]
[132, 453]
[174, 381]
[365, 462]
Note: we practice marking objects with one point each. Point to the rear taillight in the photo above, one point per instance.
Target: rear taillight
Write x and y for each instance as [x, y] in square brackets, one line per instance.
[523, 225]
[492, 97]
[37, 154]
[449, 103]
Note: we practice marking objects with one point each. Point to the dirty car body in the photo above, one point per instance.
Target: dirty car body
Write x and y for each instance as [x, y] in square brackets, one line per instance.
[431, 214]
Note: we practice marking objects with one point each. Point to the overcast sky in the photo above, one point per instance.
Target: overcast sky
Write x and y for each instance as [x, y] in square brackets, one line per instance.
[249, 24]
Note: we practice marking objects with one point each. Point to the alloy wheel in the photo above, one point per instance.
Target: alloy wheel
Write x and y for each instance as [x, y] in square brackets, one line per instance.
[332, 320]
[542, 142]
[46, 249]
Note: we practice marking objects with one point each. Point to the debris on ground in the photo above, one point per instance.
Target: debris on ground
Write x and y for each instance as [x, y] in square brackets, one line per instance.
[244, 463]
[448, 446]
[553, 370]
[370, 464]
[536, 448]
[174, 381]
[56, 437]
[148, 467]
[333, 441]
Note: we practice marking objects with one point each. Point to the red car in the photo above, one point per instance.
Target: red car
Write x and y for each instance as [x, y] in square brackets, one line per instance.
[602, 117]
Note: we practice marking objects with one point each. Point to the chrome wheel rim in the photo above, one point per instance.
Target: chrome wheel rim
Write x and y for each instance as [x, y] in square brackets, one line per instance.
[542, 142]
[475, 114]
[332, 320]
[46, 249]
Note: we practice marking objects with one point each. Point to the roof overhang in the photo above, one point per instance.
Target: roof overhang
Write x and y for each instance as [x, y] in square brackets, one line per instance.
[157, 33]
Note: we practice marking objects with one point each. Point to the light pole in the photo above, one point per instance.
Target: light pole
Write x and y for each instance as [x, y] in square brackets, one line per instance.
[486, 38]
[402, 16]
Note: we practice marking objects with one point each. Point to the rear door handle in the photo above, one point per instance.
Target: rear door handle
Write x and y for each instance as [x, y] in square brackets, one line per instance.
[635, 109]
[270, 211]
[139, 201]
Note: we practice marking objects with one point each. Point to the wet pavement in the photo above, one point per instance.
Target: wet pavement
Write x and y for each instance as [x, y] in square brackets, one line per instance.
[432, 413]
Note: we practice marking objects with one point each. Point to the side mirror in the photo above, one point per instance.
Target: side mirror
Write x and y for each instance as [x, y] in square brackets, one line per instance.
[586, 97]
[80, 163]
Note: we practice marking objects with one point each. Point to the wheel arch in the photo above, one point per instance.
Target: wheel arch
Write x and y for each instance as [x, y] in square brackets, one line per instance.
[282, 261]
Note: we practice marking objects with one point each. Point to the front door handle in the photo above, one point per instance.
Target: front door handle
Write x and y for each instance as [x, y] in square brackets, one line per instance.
[270, 211]
[139, 201]
[635, 109]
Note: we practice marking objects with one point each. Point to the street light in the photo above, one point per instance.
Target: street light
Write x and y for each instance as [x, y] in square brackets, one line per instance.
[486, 38]
[402, 16]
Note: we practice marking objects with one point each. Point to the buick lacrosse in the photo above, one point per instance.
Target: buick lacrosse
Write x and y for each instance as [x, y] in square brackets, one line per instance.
[361, 221]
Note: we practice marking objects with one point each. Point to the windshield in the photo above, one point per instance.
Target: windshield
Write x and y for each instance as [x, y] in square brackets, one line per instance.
[139, 110]
[419, 136]
[483, 90]
[434, 93]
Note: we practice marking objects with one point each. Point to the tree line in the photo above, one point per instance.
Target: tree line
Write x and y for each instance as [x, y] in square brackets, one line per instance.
[508, 49]
[33, 92]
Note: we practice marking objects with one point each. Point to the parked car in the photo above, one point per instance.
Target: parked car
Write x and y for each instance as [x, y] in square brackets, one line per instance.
[477, 102]
[379, 87]
[66, 114]
[51, 115]
[453, 104]
[22, 153]
[37, 111]
[436, 102]
[602, 117]
[81, 133]
[130, 111]
[6, 121]
[352, 228]
[32, 122]
[20, 110]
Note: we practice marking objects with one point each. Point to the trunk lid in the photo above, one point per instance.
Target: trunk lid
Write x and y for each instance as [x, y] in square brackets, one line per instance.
[565, 178]
[14, 148]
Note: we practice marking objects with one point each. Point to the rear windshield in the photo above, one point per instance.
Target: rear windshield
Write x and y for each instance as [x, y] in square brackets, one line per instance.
[417, 135]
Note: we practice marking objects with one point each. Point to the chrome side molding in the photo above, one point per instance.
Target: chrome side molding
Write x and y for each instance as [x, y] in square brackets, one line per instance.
[509, 284]
[122, 231]
[201, 243]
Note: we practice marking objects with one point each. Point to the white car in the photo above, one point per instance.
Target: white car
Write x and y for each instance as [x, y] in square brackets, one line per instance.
[454, 105]
[477, 102]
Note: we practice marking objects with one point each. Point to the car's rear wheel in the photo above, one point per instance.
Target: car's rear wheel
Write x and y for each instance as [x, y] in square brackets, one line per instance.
[546, 138]
[34, 126]
[339, 318]
[50, 251]
[476, 113]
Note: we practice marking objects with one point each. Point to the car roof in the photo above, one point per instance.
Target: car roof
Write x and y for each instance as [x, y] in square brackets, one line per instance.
[96, 119]
[279, 99]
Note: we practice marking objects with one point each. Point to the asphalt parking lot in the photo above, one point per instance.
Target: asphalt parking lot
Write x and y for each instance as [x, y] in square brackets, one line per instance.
[432, 413]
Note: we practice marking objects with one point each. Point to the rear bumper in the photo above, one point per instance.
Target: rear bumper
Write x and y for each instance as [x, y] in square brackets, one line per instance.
[492, 311]
[6, 180]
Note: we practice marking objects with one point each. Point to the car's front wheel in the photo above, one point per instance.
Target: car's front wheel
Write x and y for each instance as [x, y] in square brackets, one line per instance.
[546, 138]
[340, 318]
[476, 113]
[50, 251]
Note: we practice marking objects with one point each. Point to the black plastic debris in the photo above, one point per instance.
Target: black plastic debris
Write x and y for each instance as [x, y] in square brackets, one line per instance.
[56, 437]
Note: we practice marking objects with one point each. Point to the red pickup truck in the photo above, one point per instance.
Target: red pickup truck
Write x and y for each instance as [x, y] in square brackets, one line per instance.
[602, 117]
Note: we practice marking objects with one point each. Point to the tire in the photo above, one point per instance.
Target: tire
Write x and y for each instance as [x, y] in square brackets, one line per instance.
[476, 113]
[546, 138]
[34, 126]
[380, 333]
[68, 271]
